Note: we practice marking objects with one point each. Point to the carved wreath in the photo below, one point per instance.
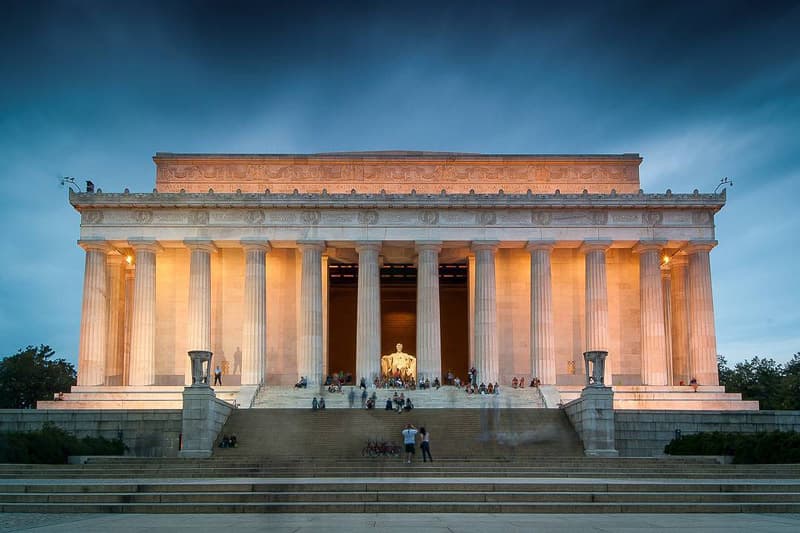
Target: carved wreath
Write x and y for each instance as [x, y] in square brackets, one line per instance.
[600, 218]
[429, 217]
[311, 217]
[541, 218]
[487, 218]
[143, 217]
[653, 218]
[368, 218]
[701, 217]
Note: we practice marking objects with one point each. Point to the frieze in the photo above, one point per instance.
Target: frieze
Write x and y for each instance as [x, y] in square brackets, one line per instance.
[95, 216]
[311, 217]
[599, 218]
[143, 216]
[701, 217]
[652, 218]
[625, 217]
[541, 218]
[368, 218]
[486, 218]
[282, 218]
[198, 218]
[254, 217]
[429, 218]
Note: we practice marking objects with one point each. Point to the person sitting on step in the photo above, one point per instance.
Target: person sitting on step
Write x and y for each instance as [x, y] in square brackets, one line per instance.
[322, 403]
[314, 404]
[388, 404]
[514, 382]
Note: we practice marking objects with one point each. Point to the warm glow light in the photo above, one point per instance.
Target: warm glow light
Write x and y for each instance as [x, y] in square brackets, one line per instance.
[129, 259]
[666, 259]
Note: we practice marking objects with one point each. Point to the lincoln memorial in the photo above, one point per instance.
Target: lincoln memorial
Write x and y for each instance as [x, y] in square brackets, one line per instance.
[290, 265]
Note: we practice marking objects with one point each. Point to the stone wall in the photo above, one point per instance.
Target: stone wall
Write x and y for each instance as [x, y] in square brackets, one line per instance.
[592, 416]
[645, 433]
[146, 433]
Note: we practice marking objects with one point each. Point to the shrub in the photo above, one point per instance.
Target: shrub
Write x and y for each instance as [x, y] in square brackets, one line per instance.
[52, 445]
[746, 448]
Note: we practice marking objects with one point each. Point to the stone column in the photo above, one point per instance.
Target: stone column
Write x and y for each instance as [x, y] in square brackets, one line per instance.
[666, 291]
[702, 336]
[471, 310]
[597, 299]
[680, 317]
[94, 315]
[654, 350]
[429, 328]
[115, 346]
[143, 329]
[325, 317]
[486, 355]
[254, 327]
[199, 316]
[543, 353]
[130, 279]
[368, 318]
[310, 328]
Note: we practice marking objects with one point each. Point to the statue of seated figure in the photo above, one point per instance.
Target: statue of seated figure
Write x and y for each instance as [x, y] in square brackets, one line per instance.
[399, 361]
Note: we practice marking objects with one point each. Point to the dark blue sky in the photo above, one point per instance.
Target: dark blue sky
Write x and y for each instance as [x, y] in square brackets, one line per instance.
[701, 89]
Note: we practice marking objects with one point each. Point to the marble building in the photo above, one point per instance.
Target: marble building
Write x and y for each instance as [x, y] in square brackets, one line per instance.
[304, 264]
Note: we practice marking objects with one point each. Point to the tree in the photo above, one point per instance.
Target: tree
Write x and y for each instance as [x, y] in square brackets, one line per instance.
[775, 386]
[33, 374]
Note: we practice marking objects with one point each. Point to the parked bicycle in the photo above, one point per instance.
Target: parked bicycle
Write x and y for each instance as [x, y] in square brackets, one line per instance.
[375, 448]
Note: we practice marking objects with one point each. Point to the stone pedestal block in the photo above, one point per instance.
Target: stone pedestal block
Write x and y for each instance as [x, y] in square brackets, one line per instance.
[592, 416]
[203, 417]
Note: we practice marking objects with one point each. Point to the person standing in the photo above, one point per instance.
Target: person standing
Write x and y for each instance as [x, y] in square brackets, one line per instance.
[425, 445]
[351, 397]
[409, 436]
[218, 376]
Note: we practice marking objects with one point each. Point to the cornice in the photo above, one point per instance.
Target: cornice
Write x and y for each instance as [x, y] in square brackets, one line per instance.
[443, 200]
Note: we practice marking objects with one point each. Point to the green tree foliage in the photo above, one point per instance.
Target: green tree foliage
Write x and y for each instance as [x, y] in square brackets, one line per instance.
[775, 386]
[52, 445]
[33, 374]
[773, 447]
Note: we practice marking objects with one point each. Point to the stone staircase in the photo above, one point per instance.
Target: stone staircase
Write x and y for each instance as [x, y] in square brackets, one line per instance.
[455, 433]
[669, 398]
[144, 397]
[227, 484]
[443, 398]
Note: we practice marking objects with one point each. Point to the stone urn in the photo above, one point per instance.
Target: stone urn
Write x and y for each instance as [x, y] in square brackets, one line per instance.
[201, 367]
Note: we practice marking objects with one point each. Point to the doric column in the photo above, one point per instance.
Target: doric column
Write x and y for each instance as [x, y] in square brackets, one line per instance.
[130, 280]
[254, 327]
[115, 346]
[654, 351]
[429, 329]
[199, 323]
[143, 329]
[94, 315]
[471, 310]
[679, 306]
[543, 353]
[309, 355]
[597, 300]
[702, 336]
[368, 318]
[325, 316]
[486, 355]
[666, 291]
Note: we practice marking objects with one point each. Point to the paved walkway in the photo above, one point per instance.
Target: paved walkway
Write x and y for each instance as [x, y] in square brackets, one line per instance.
[395, 523]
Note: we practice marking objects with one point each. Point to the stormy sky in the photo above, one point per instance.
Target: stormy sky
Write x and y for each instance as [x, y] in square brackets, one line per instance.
[702, 90]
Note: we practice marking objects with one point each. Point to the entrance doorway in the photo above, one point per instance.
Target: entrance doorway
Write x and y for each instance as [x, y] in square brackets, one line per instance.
[398, 314]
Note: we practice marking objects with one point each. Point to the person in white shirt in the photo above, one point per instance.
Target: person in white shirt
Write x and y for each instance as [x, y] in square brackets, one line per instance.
[409, 436]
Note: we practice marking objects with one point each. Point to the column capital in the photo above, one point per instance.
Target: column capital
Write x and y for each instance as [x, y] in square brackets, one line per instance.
[256, 245]
[699, 246]
[311, 245]
[115, 258]
[435, 246]
[204, 245]
[649, 246]
[366, 246]
[145, 245]
[595, 246]
[540, 245]
[681, 259]
[478, 246]
[97, 245]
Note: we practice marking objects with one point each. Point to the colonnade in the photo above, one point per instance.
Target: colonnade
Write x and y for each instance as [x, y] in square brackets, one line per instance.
[677, 314]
